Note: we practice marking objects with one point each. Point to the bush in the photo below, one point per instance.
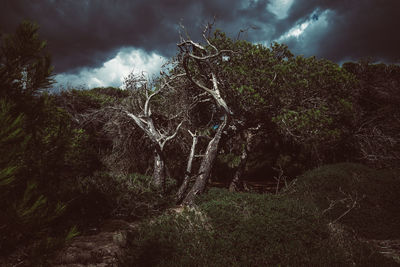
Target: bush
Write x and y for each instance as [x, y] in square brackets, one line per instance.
[35, 138]
[24, 212]
[242, 229]
[335, 188]
[122, 196]
[171, 240]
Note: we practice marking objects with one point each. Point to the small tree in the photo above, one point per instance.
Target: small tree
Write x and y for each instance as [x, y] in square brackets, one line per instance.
[25, 69]
[160, 122]
[34, 140]
[24, 212]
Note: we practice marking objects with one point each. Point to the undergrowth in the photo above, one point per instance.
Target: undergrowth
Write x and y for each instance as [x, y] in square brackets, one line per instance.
[243, 229]
[359, 197]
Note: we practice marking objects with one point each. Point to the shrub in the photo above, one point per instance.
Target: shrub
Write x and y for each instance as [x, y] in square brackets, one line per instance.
[242, 229]
[335, 188]
[171, 240]
[123, 196]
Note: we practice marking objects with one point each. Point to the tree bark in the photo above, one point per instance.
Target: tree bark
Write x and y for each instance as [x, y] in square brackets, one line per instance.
[206, 165]
[159, 170]
[237, 183]
[183, 188]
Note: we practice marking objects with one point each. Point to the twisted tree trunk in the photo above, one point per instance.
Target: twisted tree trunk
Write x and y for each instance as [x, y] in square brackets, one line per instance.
[208, 82]
[183, 188]
[159, 170]
[237, 183]
[206, 165]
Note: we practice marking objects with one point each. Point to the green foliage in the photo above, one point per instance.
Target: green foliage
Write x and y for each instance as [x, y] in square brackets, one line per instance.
[305, 105]
[89, 110]
[58, 152]
[309, 125]
[124, 196]
[236, 229]
[171, 240]
[12, 142]
[80, 101]
[24, 212]
[12, 145]
[230, 159]
[317, 107]
[376, 213]
[378, 111]
[25, 69]
[40, 151]
[249, 76]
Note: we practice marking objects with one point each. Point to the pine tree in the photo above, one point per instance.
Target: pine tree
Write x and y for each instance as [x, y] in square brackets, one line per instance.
[25, 72]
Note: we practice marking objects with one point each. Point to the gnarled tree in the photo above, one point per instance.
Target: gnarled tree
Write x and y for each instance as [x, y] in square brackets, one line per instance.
[169, 121]
[199, 62]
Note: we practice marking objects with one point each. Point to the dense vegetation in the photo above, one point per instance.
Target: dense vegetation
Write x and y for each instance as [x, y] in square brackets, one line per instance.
[234, 111]
[244, 229]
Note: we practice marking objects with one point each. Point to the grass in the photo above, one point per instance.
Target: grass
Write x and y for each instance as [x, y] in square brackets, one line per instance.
[243, 229]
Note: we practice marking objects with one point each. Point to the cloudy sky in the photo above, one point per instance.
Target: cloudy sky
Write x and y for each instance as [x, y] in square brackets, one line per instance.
[98, 42]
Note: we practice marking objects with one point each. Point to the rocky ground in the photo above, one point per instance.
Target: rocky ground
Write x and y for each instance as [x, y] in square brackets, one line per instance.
[100, 249]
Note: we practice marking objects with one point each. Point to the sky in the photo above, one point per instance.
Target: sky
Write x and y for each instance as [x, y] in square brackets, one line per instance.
[96, 43]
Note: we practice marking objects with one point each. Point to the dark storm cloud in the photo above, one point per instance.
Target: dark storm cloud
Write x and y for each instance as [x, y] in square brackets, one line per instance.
[86, 33]
[355, 29]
